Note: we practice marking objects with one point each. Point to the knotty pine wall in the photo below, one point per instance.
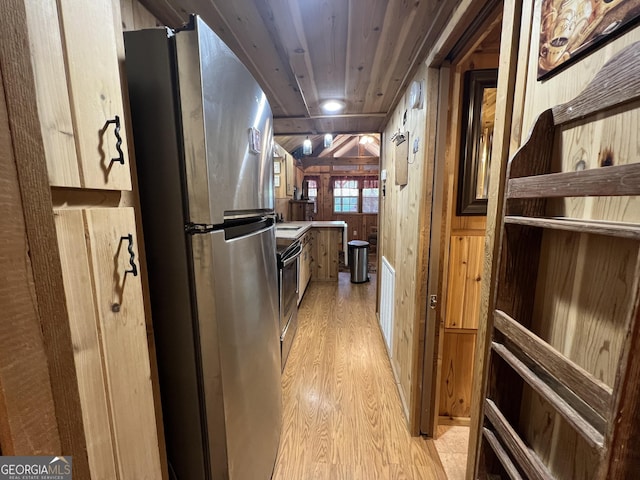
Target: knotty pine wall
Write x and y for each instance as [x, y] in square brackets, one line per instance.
[360, 225]
[463, 257]
[403, 238]
[584, 324]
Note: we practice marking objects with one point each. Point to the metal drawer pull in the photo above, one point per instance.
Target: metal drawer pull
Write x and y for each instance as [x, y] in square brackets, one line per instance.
[132, 256]
[120, 157]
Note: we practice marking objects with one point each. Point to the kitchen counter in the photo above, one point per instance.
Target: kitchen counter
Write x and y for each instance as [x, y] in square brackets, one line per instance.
[293, 230]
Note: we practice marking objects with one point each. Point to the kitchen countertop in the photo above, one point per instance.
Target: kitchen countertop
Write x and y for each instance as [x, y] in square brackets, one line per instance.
[293, 230]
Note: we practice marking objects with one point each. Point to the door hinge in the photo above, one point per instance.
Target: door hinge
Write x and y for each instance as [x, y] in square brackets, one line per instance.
[433, 301]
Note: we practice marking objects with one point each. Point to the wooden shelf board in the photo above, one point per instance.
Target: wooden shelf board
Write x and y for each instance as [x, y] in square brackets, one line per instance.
[502, 455]
[525, 456]
[591, 435]
[614, 181]
[596, 227]
[588, 388]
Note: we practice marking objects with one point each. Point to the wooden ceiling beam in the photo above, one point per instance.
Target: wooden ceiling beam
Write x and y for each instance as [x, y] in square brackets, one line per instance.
[331, 161]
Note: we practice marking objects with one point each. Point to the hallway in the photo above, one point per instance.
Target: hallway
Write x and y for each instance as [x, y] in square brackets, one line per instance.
[342, 414]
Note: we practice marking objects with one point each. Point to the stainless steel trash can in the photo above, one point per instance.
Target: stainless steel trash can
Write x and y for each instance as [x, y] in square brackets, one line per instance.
[358, 251]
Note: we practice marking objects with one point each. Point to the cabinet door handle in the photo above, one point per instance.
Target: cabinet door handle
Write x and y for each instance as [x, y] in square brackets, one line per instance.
[120, 157]
[132, 255]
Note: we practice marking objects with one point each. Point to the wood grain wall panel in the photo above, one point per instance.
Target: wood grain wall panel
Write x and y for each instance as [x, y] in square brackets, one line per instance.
[398, 234]
[585, 323]
[464, 281]
[457, 368]
[613, 140]
[28, 423]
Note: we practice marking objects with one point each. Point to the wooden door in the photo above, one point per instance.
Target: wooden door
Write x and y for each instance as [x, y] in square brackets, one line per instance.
[94, 88]
[98, 251]
[433, 331]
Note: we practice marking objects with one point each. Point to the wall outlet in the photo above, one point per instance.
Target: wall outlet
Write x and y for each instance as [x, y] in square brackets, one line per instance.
[355, 232]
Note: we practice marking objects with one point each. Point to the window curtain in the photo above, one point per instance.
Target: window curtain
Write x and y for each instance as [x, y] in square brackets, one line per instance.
[369, 181]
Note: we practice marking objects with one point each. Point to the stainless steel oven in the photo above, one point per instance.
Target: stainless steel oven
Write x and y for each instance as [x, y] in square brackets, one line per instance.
[288, 252]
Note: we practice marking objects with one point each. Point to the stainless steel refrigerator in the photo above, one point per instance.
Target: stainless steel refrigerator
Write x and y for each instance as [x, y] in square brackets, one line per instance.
[203, 136]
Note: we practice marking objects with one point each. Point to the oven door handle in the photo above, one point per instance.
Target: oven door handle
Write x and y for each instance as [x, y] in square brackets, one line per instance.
[293, 256]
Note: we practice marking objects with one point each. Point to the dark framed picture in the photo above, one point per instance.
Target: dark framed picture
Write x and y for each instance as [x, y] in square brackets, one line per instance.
[478, 115]
[572, 28]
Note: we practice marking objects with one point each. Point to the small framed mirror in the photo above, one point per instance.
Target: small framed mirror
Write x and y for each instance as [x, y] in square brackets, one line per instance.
[478, 113]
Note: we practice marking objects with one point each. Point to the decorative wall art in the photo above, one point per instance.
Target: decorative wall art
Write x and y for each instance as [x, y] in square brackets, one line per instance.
[572, 28]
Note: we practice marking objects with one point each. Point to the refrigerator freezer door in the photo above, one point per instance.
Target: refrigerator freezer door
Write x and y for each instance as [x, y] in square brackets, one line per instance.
[239, 325]
[227, 130]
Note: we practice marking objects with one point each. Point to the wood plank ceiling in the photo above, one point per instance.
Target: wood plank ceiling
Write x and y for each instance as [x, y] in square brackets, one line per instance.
[363, 52]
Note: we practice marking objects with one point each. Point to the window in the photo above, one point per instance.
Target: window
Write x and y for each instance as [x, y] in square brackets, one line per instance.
[370, 196]
[345, 196]
[312, 186]
[355, 195]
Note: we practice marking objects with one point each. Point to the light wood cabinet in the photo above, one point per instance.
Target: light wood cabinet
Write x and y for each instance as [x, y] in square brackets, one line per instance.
[306, 263]
[326, 250]
[98, 250]
[79, 93]
[76, 51]
[290, 174]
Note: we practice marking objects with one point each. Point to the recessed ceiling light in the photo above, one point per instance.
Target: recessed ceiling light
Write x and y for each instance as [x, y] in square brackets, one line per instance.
[332, 106]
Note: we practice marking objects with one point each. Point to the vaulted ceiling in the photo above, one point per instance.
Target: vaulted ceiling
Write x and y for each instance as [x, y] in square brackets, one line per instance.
[363, 52]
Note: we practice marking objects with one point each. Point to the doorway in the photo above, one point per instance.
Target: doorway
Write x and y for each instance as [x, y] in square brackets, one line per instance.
[463, 153]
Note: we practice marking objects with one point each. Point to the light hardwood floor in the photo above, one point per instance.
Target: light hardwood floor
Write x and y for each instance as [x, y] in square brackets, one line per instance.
[342, 413]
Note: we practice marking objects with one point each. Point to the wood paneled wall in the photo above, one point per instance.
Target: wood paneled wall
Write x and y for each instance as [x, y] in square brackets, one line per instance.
[463, 257]
[402, 232]
[361, 225]
[582, 324]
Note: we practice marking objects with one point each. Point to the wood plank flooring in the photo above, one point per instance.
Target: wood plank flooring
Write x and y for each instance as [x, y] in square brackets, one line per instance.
[342, 413]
